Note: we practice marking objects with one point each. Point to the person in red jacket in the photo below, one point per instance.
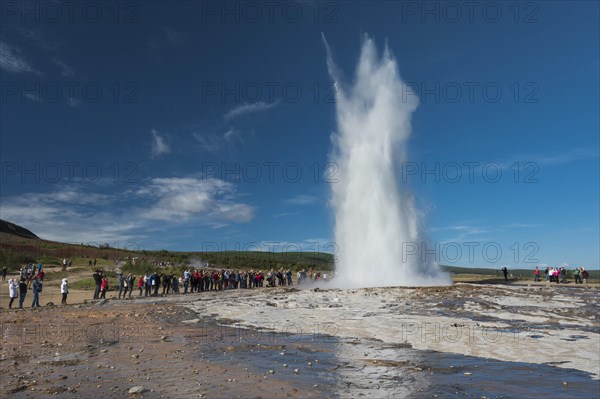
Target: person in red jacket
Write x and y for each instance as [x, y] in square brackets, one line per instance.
[103, 288]
[141, 284]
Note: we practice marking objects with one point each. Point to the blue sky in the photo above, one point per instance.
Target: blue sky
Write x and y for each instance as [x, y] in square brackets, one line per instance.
[191, 126]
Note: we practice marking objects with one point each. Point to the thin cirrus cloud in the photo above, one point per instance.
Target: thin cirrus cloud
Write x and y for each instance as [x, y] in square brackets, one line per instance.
[173, 36]
[249, 108]
[302, 199]
[283, 214]
[214, 142]
[12, 61]
[65, 69]
[159, 144]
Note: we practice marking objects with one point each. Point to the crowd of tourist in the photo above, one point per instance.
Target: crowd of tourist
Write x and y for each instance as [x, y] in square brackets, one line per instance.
[558, 275]
[31, 278]
[199, 280]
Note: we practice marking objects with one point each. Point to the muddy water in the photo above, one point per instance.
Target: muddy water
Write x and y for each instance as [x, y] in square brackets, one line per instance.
[103, 351]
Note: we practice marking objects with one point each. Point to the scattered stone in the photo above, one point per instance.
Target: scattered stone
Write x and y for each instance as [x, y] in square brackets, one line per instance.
[135, 390]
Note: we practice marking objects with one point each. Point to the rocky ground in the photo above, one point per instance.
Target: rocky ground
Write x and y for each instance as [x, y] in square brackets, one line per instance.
[538, 324]
[109, 348]
[466, 340]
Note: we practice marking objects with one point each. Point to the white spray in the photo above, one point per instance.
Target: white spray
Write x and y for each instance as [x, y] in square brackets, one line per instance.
[377, 227]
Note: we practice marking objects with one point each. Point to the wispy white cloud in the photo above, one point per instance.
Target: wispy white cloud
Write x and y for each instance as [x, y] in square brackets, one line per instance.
[58, 215]
[282, 214]
[165, 39]
[173, 36]
[12, 61]
[230, 134]
[208, 142]
[568, 156]
[73, 102]
[301, 199]
[548, 160]
[522, 225]
[81, 215]
[213, 142]
[249, 108]
[462, 232]
[37, 37]
[183, 199]
[65, 69]
[159, 144]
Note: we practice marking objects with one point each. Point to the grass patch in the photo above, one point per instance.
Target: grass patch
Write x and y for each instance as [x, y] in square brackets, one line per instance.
[59, 274]
[87, 283]
[12, 259]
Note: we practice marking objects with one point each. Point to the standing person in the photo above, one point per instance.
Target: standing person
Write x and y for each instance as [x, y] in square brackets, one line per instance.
[12, 291]
[186, 282]
[37, 288]
[563, 275]
[505, 271]
[166, 283]
[141, 284]
[64, 290]
[576, 275]
[98, 280]
[4, 271]
[156, 283]
[536, 274]
[130, 283]
[175, 284]
[148, 281]
[22, 292]
[121, 283]
[103, 288]
[584, 277]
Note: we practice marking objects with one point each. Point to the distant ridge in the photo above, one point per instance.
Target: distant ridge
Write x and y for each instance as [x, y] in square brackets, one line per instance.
[11, 228]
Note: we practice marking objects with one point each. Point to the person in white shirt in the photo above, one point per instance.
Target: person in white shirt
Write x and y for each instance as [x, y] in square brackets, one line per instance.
[64, 290]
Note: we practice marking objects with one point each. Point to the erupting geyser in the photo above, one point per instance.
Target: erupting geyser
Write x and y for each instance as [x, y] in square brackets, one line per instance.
[375, 219]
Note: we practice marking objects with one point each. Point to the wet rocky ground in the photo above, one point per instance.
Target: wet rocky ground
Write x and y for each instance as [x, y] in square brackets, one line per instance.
[183, 347]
